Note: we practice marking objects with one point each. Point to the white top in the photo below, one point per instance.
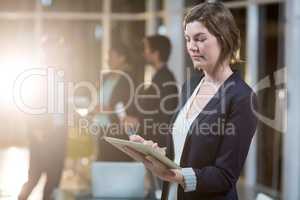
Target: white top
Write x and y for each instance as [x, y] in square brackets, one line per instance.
[180, 130]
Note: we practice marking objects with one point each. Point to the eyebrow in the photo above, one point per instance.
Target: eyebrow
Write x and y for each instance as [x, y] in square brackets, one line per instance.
[196, 35]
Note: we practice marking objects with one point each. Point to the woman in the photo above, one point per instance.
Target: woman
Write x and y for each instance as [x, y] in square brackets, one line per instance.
[214, 127]
[114, 90]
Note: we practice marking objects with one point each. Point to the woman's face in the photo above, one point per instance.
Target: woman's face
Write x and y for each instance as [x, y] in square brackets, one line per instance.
[115, 60]
[148, 53]
[202, 46]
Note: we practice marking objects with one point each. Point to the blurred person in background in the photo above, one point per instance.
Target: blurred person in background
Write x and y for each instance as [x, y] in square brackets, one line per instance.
[47, 152]
[47, 132]
[156, 103]
[115, 89]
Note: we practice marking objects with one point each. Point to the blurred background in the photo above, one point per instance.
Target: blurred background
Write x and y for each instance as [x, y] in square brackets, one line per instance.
[76, 35]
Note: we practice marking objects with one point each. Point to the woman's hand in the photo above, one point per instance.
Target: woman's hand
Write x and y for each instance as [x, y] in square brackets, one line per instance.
[160, 170]
[154, 145]
[154, 165]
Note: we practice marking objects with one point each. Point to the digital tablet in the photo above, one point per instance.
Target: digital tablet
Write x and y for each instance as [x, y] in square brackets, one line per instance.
[144, 149]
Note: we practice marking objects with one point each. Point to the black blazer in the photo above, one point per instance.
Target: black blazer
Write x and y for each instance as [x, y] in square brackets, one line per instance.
[154, 126]
[217, 143]
[120, 93]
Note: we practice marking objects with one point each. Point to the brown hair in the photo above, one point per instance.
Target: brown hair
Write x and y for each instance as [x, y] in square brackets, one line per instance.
[161, 44]
[219, 22]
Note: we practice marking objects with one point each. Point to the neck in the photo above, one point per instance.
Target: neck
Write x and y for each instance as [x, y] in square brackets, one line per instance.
[158, 64]
[218, 75]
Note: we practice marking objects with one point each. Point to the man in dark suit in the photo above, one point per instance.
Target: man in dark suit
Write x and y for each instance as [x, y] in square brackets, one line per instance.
[113, 91]
[157, 103]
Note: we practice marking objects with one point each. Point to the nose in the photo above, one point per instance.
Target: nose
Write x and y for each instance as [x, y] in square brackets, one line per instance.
[193, 46]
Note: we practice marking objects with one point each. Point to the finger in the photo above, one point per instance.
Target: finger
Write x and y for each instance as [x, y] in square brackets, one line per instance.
[166, 178]
[171, 174]
[167, 175]
[136, 138]
[155, 145]
[174, 172]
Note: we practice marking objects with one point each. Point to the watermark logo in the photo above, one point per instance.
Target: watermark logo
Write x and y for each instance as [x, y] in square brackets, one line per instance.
[61, 98]
[279, 122]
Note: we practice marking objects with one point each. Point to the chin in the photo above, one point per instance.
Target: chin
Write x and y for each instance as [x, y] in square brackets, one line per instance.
[198, 66]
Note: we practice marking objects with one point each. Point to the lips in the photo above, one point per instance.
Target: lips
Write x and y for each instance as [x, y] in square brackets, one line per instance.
[197, 57]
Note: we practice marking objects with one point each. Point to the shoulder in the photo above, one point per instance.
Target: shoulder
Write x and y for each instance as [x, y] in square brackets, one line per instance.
[238, 92]
[165, 74]
[237, 88]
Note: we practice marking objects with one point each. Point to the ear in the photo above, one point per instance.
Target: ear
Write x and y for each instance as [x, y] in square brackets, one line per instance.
[156, 55]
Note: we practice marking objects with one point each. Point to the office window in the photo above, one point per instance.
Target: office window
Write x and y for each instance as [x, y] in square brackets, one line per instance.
[17, 5]
[128, 6]
[16, 37]
[161, 26]
[240, 19]
[16, 55]
[131, 34]
[74, 46]
[270, 58]
[231, 1]
[191, 3]
[160, 4]
[73, 5]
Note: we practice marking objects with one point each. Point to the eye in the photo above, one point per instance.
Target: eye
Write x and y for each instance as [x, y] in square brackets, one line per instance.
[187, 39]
[200, 39]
